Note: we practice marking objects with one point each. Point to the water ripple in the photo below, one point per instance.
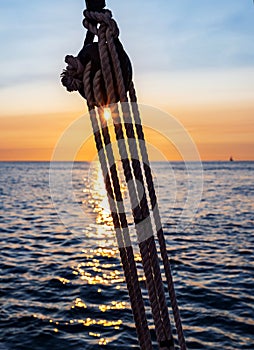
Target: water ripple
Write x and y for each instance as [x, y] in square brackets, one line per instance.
[63, 287]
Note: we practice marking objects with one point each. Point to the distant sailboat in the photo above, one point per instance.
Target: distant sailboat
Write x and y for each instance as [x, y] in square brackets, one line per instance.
[231, 159]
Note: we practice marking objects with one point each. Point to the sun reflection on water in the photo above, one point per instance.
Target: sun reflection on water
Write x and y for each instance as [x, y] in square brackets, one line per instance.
[98, 270]
[115, 305]
[78, 303]
[98, 274]
[98, 197]
[86, 323]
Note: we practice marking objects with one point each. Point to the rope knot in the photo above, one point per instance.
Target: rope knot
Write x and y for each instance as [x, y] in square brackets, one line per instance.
[93, 19]
[102, 74]
[73, 74]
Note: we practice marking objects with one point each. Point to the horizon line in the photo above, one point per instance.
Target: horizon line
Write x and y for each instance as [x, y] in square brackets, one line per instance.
[151, 161]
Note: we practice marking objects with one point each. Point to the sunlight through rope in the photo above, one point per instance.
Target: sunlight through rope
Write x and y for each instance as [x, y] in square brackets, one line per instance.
[102, 74]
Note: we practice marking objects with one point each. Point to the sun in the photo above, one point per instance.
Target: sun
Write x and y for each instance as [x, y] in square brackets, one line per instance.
[107, 114]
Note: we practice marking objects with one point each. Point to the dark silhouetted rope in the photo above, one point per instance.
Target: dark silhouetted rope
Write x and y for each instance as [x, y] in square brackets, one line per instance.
[119, 221]
[153, 199]
[102, 74]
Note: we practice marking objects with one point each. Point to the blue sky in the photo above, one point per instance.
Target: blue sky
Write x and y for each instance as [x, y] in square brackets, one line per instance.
[159, 35]
[185, 53]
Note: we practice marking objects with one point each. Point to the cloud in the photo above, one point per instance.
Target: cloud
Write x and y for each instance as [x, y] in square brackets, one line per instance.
[35, 37]
[158, 35]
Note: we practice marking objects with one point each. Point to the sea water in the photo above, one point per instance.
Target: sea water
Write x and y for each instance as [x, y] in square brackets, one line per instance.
[62, 285]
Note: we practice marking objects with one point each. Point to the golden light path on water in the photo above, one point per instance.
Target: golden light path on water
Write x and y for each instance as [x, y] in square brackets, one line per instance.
[101, 266]
[63, 287]
[99, 199]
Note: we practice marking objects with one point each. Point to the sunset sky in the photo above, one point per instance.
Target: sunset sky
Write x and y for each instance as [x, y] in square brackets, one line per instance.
[193, 59]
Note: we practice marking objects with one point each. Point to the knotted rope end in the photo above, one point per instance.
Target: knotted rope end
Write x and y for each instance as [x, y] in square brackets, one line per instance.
[71, 77]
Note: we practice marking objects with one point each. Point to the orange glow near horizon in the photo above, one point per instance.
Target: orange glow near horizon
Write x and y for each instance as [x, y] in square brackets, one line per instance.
[218, 132]
[208, 85]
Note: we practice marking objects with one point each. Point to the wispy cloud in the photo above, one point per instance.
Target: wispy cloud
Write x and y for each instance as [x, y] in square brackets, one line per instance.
[186, 54]
[160, 37]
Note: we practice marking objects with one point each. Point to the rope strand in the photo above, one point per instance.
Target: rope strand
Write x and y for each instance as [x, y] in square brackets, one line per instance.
[103, 82]
[150, 260]
[119, 221]
[157, 219]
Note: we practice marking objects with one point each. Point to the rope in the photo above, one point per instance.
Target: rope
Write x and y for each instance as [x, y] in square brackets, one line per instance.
[103, 83]
[139, 216]
[120, 223]
[154, 296]
[155, 288]
[160, 234]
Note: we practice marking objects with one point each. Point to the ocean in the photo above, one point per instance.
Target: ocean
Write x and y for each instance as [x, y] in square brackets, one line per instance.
[62, 285]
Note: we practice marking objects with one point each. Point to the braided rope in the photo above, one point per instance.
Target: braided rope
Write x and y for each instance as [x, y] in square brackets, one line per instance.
[138, 217]
[72, 75]
[106, 71]
[77, 77]
[120, 221]
[149, 257]
[103, 18]
[116, 66]
[137, 169]
[138, 175]
[160, 234]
